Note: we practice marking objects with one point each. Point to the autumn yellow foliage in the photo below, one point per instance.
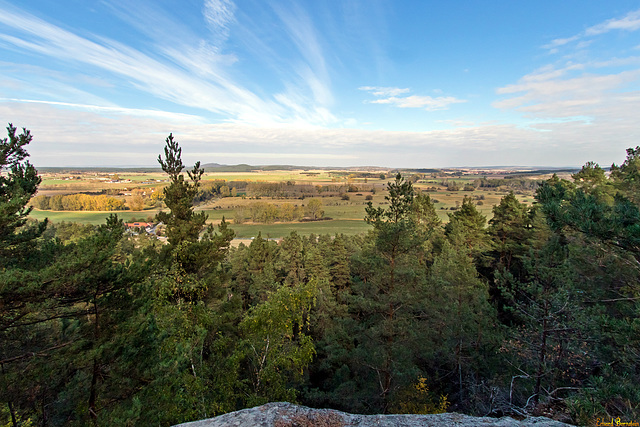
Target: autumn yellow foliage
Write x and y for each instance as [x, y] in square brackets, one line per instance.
[417, 399]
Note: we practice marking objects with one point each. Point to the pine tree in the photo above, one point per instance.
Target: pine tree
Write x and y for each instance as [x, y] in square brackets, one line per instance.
[602, 238]
[424, 213]
[195, 375]
[467, 227]
[510, 229]
[183, 224]
[460, 323]
[626, 177]
[16, 189]
[387, 292]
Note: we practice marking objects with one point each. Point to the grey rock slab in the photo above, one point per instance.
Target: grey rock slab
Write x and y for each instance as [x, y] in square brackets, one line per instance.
[283, 414]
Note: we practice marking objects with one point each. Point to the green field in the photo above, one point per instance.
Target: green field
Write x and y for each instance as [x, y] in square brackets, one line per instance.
[347, 215]
[348, 227]
[244, 231]
[89, 217]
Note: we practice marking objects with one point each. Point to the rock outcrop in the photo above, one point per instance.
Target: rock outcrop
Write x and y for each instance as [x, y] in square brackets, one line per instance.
[283, 414]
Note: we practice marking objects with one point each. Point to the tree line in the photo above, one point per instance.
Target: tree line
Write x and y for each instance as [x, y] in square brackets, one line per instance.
[535, 311]
[78, 202]
[268, 213]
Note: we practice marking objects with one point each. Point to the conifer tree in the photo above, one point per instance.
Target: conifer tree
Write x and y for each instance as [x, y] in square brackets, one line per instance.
[467, 227]
[183, 224]
[387, 288]
[460, 323]
[626, 177]
[16, 189]
[192, 308]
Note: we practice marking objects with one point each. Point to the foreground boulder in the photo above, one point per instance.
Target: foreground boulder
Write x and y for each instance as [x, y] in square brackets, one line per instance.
[283, 414]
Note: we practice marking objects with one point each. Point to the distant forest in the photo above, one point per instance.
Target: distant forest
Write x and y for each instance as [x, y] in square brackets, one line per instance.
[535, 312]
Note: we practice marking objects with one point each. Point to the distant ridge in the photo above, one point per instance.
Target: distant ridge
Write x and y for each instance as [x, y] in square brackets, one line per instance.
[216, 167]
[99, 169]
[243, 167]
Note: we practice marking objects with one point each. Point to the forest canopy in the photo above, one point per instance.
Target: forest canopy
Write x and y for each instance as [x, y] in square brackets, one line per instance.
[533, 312]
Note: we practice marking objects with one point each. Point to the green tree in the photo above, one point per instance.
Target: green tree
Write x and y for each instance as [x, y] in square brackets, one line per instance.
[340, 274]
[387, 291]
[424, 213]
[253, 272]
[16, 189]
[549, 341]
[400, 200]
[592, 179]
[68, 331]
[290, 260]
[276, 345]
[314, 209]
[626, 177]
[467, 227]
[17, 251]
[510, 230]
[183, 224]
[600, 238]
[460, 322]
[195, 373]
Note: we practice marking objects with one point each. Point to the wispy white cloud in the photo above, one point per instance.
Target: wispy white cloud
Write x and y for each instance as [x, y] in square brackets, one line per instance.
[312, 71]
[384, 91]
[567, 108]
[589, 104]
[629, 22]
[560, 42]
[134, 139]
[412, 101]
[219, 14]
[154, 114]
[550, 93]
[198, 74]
[143, 72]
[198, 54]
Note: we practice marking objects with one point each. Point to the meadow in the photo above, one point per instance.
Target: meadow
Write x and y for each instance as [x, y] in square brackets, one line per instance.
[347, 216]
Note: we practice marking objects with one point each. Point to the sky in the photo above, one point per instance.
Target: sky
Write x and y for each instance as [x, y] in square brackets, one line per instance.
[397, 83]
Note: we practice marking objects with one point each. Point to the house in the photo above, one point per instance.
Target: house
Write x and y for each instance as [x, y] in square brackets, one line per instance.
[149, 227]
[138, 224]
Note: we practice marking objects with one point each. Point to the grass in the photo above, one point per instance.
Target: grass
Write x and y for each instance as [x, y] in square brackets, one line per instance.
[347, 215]
[94, 218]
[348, 227]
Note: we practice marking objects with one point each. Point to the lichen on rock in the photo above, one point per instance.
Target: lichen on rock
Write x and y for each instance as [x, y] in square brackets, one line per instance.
[284, 414]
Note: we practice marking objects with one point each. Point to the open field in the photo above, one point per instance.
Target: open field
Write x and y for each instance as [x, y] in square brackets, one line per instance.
[347, 227]
[94, 218]
[347, 215]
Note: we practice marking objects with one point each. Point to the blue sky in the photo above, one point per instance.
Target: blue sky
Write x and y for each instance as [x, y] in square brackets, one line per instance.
[323, 82]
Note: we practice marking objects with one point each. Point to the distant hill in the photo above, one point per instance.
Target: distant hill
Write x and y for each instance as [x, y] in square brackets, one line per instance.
[123, 170]
[217, 167]
[542, 172]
